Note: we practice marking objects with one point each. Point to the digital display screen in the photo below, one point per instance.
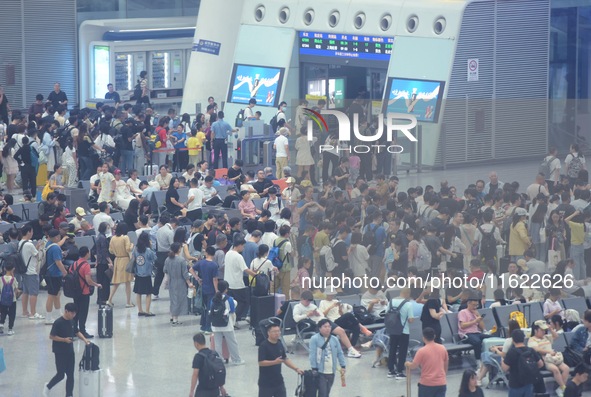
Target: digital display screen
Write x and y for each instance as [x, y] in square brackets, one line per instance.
[421, 98]
[346, 46]
[101, 70]
[260, 82]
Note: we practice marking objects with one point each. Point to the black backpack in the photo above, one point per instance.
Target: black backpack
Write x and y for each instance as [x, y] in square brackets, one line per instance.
[273, 123]
[71, 282]
[239, 119]
[393, 319]
[217, 313]
[63, 133]
[369, 239]
[90, 358]
[214, 370]
[527, 365]
[362, 315]
[488, 244]
[20, 267]
[137, 92]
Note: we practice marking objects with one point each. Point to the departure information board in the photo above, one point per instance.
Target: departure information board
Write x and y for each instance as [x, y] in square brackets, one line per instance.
[346, 46]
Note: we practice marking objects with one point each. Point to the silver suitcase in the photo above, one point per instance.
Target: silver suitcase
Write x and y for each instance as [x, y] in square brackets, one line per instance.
[90, 384]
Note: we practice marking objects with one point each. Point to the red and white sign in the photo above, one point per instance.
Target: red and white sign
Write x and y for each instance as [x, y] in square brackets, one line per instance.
[473, 65]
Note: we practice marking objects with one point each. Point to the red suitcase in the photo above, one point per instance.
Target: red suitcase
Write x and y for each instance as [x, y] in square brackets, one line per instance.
[225, 351]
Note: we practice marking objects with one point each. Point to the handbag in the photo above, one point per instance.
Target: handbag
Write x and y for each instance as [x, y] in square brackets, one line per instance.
[130, 268]
[553, 256]
[542, 234]
[557, 359]
[109, 273]
[46, 190]
[571, 357]
[473, 244]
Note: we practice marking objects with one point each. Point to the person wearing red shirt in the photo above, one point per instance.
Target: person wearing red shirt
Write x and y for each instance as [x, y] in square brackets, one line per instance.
[433, 360]
[86, 281]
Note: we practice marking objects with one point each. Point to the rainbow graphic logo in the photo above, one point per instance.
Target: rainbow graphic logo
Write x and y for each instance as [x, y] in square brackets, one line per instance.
[317, 118]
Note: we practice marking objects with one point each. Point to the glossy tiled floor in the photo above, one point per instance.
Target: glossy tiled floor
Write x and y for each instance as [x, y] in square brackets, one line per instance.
[147, 357]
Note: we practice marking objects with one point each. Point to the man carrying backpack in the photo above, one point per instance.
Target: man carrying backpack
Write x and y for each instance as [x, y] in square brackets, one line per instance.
[271, 355]
[523, 364]
[283, 278]
[375, 235]
[400, 307]
[205, 364]
[82, 301]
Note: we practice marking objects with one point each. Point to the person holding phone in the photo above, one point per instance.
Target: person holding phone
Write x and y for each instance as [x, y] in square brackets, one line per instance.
[471, 327]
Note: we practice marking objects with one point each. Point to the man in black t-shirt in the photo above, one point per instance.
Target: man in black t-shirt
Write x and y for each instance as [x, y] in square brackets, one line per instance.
[271, 355]
[62, 334]
[519, 384]
[57, 97]
[574, 387]
[235, 173]
[204, 388]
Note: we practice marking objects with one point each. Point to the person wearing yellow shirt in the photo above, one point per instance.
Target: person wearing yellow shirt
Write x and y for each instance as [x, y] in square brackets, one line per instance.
[576, 222]
[193, 145]
[519, 240]
[200, 139]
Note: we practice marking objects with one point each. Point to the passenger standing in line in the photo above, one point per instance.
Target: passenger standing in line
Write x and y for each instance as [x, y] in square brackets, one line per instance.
[220, 133]
[234, 270]
[281, 146]
[176, 268]
[121, 247]
[104, 264]
[144, 258]
[221, 332]
[55, 272]
[434, 361]
[62, 334]
[325, 351]
[164, 239]
[83, 301]
[201, 384]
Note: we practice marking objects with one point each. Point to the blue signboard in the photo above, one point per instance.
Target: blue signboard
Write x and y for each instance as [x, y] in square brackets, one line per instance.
[345, 46]
[421, 98]
[207, 46]
[260, 82]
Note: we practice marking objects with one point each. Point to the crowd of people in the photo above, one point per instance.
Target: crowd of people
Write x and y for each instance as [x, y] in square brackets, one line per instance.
[349, 226]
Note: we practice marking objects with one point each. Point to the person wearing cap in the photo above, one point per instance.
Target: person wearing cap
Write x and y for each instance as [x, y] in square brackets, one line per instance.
[273, 204]
[519, 385]
[291, 193]
[541, 342]
[78, 218]
[519, 240]
[107, 185]
[342, 315]
[471, 326]
[55, 271]
[281, 147]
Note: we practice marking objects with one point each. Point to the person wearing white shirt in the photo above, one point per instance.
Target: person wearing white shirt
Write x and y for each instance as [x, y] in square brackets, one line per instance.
[554, 166]
[134, 184]
[281, 146]
[249, 110]
[94, 189]
[273, 204]
[235, 267]
[195, 201]
[269, 235]
[210, 195]
[375, 301]
[103, 216]
[107, 184]
[30, 281]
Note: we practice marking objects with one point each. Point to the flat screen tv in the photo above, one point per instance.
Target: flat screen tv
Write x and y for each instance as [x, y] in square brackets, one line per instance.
[421, 98]
[260, 82]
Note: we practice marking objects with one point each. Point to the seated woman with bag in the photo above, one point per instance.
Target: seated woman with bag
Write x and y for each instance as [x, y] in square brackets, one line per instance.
[541, 342]
[342, 315]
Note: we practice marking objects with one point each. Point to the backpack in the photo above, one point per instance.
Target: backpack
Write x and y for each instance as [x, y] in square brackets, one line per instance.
[137, 92]
[20, 267]
[240, 119]
[362, 315]
[574, 167]
[9, 252]
[175, 122]
[43, 260]
[507, 223]
[306, 251]
[527, 365]
[217, 313]
[327, 256]
[90, 358]
[369, 239]
[34, 157]
[488, 244]
[71, 282]
[424, 257]
[274, 255]
[261, 283]
[7, 296]
[393, 319]
[63, 133]
[519, 317]
[545, 167]
[214, 370]
[273, 123]
[424, 217]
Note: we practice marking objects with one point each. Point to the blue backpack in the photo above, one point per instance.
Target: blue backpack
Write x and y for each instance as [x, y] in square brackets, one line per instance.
[34, 158]
[7, 296]
[274, 255]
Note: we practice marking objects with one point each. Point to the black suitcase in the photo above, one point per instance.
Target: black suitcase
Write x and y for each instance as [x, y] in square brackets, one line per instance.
[261, 307]
[504, 265]
[90, 358]
[105, 322]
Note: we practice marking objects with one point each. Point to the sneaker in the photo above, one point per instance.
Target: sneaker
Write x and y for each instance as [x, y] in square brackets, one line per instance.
[25, 315]
[10, 332]
[237, 363]
[392, 374]
[155, 297]
[559, 391]
[45, 391]
[48, 320]
[353, 353]
[377, 363]
[400, 376]
[36, 316]
[149, 314]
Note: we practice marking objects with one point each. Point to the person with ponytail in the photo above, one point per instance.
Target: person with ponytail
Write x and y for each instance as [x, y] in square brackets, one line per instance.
[220, 332]
[179, 282]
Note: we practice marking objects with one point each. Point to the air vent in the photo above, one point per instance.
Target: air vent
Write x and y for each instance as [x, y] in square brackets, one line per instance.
[334, 18]
[439, 25]
[259, 13]
[309, 16]
[359, 20]
[386, 22]
[412, 23]
[284, 15]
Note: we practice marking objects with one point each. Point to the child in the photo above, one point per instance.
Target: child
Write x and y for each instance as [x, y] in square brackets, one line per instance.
[9, 291]
[193, 145]
[200, 139]
[297, 284]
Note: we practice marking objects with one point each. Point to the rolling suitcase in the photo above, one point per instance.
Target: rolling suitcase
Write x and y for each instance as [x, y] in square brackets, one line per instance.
[225, 351]
[105, 322]
[89, 384]
[261, 307]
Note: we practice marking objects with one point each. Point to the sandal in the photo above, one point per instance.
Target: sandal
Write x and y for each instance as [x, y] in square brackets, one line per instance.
[129, 305]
